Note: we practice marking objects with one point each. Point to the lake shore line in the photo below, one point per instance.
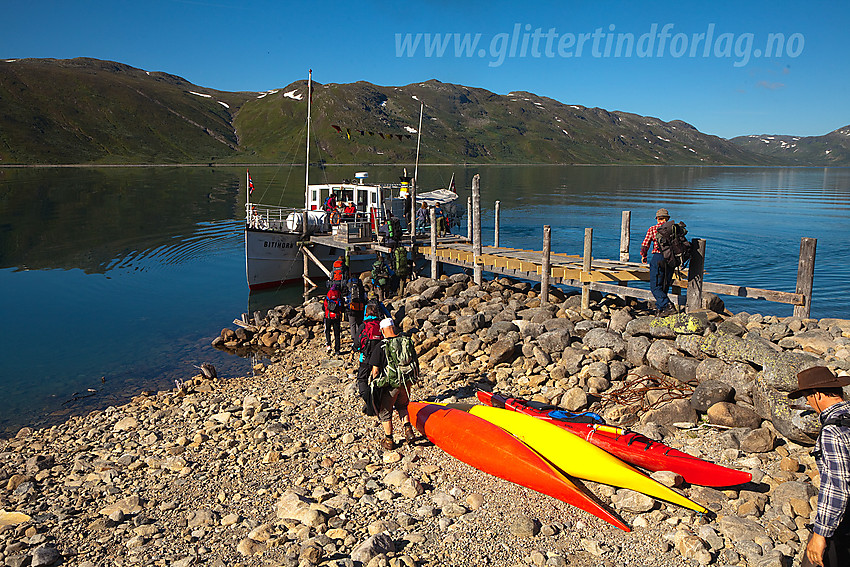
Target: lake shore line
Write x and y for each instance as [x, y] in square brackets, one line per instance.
[282, 468]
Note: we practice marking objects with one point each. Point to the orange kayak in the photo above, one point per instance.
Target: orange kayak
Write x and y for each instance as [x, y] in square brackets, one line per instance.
[493, 450]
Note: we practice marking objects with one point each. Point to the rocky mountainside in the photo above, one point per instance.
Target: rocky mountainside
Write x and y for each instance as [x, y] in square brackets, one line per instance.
[829, 149]
[100, 112]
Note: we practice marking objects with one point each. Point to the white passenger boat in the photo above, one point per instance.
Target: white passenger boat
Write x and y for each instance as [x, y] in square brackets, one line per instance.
[272, 234]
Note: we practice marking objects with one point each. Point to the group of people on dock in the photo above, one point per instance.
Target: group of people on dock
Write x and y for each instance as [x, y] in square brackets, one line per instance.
[387, 364]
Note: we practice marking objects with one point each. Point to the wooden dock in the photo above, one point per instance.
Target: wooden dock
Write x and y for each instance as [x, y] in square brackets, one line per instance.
[580, 271]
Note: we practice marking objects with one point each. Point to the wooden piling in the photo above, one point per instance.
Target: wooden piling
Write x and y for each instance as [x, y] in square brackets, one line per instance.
[497, 212]
[545, 269]
[806, 276]
[585, 268]
[696, 273]
[469, 219]
[476, 229]
[434, 267]
[625, 235]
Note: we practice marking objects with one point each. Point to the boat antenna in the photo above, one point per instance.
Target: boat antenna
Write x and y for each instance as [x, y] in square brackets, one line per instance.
[307, 163]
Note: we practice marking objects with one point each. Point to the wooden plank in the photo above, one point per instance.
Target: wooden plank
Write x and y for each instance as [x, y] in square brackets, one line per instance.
[309, 254]
[805, 276]
[755, 293]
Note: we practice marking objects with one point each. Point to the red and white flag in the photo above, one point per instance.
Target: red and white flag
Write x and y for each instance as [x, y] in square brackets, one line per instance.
[250, 184]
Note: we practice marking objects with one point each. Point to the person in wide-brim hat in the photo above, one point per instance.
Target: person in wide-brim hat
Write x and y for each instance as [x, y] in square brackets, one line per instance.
[817, 378]
[829, 544]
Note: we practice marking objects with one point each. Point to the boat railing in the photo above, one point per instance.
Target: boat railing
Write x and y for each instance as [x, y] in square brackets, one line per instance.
[267, 217]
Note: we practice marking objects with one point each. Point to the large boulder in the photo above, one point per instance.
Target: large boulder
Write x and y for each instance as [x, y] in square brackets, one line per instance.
[636, 349]
[682, 368]
[676, 411]
[603, 338]
[709, 393]
[469, 324]
[732, 415]
[554, 341]
[502, 351]
[659, 353]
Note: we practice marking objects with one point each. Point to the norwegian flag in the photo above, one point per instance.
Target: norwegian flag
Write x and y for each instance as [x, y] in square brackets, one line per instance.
[250, 183]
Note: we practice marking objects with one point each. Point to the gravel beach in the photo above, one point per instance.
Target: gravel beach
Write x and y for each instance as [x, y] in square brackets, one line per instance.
[283, 468]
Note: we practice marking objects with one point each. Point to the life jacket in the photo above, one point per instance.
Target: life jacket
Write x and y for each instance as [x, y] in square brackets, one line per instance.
[333, 304]
[340, 271]
[671, 241]
[402, 366]
[356, 295]
[400, 261]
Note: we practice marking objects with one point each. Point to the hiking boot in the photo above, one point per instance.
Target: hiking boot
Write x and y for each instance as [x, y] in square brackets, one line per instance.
[409, 436]
[669, 310]
[387, 444]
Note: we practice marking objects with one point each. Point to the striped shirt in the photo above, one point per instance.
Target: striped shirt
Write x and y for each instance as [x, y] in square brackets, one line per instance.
[650, 239]
[833, 460]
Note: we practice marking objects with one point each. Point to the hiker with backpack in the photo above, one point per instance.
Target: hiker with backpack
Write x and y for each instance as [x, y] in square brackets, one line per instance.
[368, 338]
[334, 307]
[381, 277]
[402, 268]
[356, 298]
[660, 271]
[339, 273]
[394, 368]
[829, 545]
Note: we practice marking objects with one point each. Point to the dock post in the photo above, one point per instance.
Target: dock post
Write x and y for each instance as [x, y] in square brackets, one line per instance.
[476, 229]
[306, 276]
[625, 235]
[469, 219]
[696, 270]
[806, 276]
[545, 270]
[498, 210]
[585, 268]
[434, 267]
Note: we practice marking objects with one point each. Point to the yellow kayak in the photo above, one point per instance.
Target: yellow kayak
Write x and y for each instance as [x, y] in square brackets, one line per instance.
[575, 456]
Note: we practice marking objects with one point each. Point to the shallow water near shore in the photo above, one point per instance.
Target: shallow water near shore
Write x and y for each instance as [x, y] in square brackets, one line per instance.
[116, 280]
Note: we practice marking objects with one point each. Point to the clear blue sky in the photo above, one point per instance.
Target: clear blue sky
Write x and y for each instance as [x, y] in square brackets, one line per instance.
[703, 62]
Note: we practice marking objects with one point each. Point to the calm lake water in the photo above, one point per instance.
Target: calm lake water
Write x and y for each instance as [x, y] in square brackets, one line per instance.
[117, 279]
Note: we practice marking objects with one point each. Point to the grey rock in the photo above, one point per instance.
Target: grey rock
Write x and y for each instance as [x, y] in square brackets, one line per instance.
[523, 526]
[759, 440]
[659, 353]
[554, 341]
[710, 392]
[620, 318]
[603, 338]
[682, 368]
[633, 501]
[44, 555]
[636, 349]
[733, 415]
[676, 411]
[372, 547]
[470, 324]
[502, 351]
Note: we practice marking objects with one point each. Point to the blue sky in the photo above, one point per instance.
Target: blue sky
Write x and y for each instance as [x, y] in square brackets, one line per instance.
[712, 64]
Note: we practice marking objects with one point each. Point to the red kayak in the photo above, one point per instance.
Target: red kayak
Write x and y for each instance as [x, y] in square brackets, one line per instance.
[631, 447]
[493, 450]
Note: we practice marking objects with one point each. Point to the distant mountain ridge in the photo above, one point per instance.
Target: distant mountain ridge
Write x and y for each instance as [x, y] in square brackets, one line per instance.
[90, 111]
[830, 149]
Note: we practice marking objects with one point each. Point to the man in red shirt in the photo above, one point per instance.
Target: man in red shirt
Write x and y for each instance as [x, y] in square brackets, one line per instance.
[660, 275]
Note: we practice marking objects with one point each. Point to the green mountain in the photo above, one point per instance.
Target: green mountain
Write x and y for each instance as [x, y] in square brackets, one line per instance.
[829, 149]
[99, 112]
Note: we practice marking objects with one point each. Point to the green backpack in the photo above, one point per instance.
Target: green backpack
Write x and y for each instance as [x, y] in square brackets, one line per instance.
[400, 259]
[402, 366]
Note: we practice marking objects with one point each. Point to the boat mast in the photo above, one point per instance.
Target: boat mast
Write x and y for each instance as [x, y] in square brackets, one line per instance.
[307, 164]
[418, 139]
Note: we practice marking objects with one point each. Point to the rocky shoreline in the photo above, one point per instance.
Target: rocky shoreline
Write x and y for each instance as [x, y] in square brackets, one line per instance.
[282, 468]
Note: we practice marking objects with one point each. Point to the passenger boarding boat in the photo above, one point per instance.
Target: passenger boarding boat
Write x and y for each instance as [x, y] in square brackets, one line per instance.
[272, 234]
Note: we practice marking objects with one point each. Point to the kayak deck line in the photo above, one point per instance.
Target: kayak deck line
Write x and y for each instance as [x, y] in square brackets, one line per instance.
[654, 456]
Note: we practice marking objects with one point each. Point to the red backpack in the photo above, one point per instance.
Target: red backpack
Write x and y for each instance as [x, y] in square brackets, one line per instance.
[370, 334]
[333, 304]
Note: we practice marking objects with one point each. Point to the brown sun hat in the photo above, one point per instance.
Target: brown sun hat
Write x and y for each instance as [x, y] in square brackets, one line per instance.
[662, 214]
[816, 378]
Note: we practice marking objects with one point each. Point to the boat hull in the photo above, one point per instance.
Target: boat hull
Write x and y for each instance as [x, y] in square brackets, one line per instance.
[273, 258]
[492, 450]
[577, 457]
[631, 447]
